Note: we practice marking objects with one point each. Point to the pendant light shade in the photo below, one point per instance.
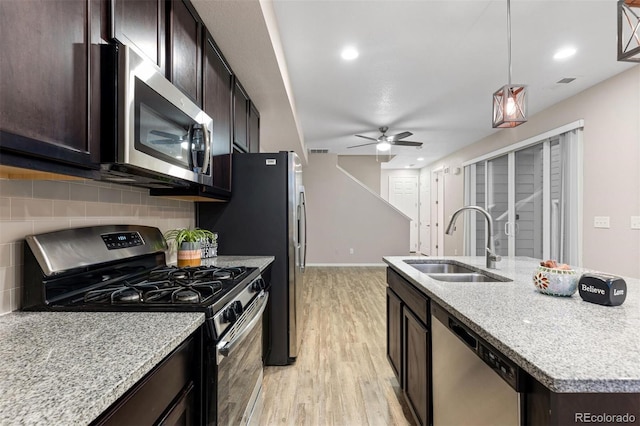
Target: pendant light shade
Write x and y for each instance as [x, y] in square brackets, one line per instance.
[510, 106]
[629, 30]
[510, 101]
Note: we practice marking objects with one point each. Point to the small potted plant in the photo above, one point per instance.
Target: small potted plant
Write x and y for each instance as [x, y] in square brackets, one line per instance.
[188, 242]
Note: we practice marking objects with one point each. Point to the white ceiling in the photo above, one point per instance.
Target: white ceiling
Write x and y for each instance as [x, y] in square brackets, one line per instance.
[425, 66]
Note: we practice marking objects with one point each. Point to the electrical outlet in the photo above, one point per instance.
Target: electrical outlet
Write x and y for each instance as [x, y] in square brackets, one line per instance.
[601, 222]
[350, 251]
[635, 222]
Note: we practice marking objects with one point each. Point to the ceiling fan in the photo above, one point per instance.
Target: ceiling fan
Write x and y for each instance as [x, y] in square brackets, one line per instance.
[384, 142]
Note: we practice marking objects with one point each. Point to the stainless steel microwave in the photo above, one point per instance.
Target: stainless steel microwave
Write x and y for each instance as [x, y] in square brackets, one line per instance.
[152, 134]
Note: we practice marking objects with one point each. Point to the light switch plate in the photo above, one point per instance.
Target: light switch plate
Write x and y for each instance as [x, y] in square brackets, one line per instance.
[601, 222]
[635, 222]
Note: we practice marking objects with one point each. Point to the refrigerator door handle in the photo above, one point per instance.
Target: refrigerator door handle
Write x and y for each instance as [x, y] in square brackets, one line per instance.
[304, 211]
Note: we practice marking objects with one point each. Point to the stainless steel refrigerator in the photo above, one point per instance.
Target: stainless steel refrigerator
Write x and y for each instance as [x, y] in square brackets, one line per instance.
[267, 216]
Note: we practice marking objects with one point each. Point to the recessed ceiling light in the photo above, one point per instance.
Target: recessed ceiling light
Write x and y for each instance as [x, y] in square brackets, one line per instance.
[420, 159]
[349, 53]
[564, 53]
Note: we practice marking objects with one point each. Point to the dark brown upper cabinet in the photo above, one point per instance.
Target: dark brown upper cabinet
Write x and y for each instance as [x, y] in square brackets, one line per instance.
[254, 128]
[240, 117]
[185, 49]
[141, 24]
[45, 94]
[217, 103]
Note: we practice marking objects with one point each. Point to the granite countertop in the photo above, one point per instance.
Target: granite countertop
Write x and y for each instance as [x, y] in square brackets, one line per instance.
[66, 368]
[229, 261]
[567, 344]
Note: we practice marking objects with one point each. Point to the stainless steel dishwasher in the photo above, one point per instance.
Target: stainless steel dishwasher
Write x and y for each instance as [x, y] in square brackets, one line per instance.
[473, 383]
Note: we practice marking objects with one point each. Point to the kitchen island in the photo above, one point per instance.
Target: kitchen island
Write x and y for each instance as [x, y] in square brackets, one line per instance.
[568, 346]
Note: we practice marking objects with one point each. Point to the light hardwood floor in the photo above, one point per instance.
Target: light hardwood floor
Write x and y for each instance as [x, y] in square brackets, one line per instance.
[341, 375]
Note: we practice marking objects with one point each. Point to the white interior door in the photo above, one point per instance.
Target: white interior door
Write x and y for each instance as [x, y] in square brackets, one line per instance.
[424, 225]
[403, 195]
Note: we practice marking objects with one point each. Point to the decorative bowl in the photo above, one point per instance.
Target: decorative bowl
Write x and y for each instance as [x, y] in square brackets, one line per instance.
[556, 282]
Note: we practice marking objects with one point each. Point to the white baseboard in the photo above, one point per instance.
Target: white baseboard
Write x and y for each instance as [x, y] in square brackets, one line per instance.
[346, 264]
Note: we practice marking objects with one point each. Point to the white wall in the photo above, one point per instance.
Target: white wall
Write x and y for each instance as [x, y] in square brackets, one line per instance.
[611, 114]
[365, 168]
[343, 214]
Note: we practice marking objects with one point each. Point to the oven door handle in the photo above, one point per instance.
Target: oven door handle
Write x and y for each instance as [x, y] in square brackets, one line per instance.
[226, 348]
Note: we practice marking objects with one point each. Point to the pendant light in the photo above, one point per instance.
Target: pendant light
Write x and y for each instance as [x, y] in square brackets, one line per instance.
[510, 101]
[629, 30]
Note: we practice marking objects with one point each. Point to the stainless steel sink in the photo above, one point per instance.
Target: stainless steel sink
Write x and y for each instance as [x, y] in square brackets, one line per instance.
[474, 277]
[440, 267]
[450, 271]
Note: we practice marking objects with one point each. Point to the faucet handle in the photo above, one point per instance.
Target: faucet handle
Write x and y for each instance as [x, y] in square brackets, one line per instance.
[493, 256]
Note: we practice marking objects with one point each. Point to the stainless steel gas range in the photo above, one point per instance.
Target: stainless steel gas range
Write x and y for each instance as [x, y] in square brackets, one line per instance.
[123, 268]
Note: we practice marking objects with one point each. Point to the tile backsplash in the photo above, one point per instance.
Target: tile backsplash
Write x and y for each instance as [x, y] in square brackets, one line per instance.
[37, 206]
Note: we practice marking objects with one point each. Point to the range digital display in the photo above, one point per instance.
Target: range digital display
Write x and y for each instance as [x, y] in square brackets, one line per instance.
[121, 240]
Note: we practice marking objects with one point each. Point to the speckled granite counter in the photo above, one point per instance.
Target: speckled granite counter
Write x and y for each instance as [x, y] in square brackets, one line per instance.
[567, 344]
[66, 368]
[250, 261]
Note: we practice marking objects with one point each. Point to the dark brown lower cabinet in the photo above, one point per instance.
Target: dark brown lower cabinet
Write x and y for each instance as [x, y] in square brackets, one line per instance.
[416, 371]
[394, 333]
[169, 395]
[409, 343]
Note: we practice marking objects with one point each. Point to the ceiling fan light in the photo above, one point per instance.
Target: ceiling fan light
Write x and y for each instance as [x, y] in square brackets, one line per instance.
[510, 106]
[383, 146]
[629, 30]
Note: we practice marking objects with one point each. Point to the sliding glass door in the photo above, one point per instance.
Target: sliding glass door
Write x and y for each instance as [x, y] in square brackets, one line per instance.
[498, 202]
[526, 228]
[531, 192]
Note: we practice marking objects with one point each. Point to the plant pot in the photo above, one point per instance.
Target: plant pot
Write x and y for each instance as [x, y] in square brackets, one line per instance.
[189, 254]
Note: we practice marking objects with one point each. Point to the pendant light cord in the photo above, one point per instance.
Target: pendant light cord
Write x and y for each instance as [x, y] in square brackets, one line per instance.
[509, 37]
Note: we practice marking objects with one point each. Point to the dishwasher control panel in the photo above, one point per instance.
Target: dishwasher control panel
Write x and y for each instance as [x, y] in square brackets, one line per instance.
[502, 366]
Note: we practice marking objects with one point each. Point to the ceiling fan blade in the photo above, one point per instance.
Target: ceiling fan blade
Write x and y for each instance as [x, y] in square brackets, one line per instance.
[399, 136]
[367, 137]
[406, 143]
[364, 144]
[167, 135]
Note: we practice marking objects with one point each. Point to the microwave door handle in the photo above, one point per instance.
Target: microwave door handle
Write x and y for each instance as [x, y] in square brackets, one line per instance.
[207, 148]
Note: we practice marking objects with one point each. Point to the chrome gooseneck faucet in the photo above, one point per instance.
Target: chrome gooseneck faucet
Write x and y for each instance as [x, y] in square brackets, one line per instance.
[491, 256]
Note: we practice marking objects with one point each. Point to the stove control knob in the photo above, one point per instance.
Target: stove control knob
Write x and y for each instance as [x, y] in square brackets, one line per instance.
[229, 315]
[237, 307]
[258, 285]
[232, 313]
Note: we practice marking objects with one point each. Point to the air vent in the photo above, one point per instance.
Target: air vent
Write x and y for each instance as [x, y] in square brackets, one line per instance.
[318, 151]
[566, 80]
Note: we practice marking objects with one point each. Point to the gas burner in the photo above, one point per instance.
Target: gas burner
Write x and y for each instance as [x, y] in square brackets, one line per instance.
[180, 274]
[185, 296]
[222, 274]
[126, 295]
